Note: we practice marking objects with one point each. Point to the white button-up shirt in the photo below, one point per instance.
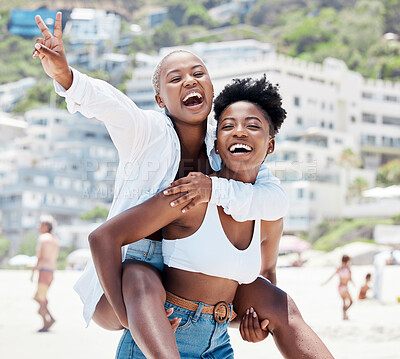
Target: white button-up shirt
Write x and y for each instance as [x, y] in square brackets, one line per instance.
[149, 155]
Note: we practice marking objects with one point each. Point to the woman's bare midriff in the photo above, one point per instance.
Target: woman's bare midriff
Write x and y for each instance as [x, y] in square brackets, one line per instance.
[199, 287]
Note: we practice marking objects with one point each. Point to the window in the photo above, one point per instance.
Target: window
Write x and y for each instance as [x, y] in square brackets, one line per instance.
[371, 140]
[389, 98]
[300, 193]
[367, 95]
[353, 119]
[389, 120]
[299, 121]
[297, 101]
[368, 118]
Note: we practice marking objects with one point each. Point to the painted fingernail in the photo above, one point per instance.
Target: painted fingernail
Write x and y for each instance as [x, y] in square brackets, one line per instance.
[38, 46]
[254, 315]
[251, 310]
[183, 210]
[247, 312]
[172, 204]
[165, 192]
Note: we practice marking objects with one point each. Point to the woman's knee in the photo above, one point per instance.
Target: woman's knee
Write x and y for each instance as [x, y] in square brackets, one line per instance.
[283, 313]
[141, 280]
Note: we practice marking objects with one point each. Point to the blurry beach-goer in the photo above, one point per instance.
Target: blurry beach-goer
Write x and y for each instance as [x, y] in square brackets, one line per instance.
[47, 254]
[344, 274]
[365, 287]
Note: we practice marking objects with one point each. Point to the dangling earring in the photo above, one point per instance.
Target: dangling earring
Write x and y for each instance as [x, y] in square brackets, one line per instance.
[216, 151]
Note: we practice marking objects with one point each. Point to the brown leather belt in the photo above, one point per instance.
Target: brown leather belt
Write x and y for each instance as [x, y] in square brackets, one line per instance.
[221, 311]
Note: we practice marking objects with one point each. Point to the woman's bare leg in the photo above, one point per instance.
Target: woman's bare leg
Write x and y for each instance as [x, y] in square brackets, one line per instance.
[144, 297]
[293, 337]
[105, 317]
[346, 297]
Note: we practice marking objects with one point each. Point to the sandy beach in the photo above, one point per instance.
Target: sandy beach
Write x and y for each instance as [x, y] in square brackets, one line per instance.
[373, 331]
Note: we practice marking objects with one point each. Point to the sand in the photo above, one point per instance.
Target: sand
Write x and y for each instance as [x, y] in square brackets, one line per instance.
[373, 331]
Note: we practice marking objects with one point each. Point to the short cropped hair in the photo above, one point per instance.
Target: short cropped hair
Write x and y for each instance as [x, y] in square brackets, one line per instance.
[48, 220]
[155, 79]
[257, 91]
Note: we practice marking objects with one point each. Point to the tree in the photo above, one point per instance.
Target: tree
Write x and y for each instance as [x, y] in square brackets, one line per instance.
[165, 35]
[95, 214]
[348, 159]
[357, 187]
[28, 243]
[4, 246]
[389, 173]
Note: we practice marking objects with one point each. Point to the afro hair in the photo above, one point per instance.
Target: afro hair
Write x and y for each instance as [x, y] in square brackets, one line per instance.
[259, 92]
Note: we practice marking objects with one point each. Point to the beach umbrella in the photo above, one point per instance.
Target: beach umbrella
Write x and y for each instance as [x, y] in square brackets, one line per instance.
[383, 192]
[21, 260]
[290, 243]
[79, 256]
[376, 192]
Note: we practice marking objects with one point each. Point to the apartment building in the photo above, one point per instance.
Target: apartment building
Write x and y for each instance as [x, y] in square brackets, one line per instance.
[63, 166]
[330, 109]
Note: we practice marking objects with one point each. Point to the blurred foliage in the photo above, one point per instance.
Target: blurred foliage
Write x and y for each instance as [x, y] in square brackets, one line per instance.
[38, 96]
[97, 212]
[357, 187]
[396, 219]
[349, 159]
[331, 234]
[389, 174]
[28, 243]
[62, 257]
[4, 246]
[165, 35]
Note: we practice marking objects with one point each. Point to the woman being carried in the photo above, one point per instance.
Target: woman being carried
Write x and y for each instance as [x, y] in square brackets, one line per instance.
[207, 254]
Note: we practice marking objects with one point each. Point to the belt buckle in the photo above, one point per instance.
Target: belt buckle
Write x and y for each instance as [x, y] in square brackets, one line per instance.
[221, 312]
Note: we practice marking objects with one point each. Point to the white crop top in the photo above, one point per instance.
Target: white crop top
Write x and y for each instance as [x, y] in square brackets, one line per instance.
[210, 252]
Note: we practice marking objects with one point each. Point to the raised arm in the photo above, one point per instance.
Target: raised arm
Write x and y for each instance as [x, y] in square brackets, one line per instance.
[51, 52]
[271, 233]
[129, 126]
[128, 227]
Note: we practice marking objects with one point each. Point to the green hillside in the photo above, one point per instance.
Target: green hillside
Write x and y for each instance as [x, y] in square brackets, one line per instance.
[351, 30]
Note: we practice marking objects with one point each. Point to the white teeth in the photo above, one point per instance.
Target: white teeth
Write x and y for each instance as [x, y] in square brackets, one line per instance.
[192, 94]
[239, 145]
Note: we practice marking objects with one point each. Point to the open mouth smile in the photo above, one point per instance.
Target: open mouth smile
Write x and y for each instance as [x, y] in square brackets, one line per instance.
[192, 99]
[240, 148]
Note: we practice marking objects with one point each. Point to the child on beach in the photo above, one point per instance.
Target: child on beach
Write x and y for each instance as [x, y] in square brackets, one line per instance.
[365, 287]
[344, 274]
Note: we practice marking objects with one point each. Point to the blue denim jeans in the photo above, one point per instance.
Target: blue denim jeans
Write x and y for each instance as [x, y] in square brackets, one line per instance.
[198, 336]
[147, 251]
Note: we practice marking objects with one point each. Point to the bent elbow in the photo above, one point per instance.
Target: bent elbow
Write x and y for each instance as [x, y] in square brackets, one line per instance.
[94, 237]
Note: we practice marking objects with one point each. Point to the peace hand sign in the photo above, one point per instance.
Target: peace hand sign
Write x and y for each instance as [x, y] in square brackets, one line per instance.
[51, 52]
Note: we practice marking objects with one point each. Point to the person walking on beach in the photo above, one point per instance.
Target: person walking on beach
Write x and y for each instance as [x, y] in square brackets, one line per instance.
[344, 274]
[47, 254]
